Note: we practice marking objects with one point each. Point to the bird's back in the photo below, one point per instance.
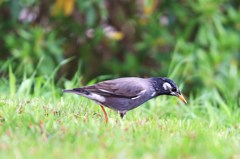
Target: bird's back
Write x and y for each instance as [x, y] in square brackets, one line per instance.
[121, 94]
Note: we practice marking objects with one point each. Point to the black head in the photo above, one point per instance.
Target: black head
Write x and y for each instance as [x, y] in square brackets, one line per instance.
[165, 86]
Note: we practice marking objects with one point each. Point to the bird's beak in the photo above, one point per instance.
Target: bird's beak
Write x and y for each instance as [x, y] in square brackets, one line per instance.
[180, 96]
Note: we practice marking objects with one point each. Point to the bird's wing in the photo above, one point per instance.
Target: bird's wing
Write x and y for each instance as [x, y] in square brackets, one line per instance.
[123, 87]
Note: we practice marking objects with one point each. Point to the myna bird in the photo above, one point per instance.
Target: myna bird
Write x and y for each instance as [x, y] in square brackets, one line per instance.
[124, 94]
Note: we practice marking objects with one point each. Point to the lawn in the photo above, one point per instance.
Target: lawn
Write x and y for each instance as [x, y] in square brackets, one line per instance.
[69, 126]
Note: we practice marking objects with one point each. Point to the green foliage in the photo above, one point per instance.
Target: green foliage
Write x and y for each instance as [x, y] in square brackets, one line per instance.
[122, 38]
[27, 47]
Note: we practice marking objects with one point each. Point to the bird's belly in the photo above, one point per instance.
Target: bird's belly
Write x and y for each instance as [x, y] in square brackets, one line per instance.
[123, 104]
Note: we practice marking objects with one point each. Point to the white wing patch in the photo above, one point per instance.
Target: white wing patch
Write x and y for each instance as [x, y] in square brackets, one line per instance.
[139, 94]
[103, 90]
[167, 86]
[153, 94]
[143, 91]
[135, 97]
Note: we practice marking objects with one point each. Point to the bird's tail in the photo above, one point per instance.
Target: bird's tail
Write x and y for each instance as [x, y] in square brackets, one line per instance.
[88, 93]
[68, 91]
[77, 91]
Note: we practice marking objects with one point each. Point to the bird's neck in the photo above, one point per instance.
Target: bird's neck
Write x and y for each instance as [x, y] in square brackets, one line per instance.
[157, 84]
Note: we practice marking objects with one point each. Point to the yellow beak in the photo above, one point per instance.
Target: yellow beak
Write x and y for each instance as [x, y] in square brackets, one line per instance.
[182, 98]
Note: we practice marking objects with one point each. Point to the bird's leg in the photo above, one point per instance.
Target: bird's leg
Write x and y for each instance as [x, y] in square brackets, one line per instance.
[105, 114]
[122, 113]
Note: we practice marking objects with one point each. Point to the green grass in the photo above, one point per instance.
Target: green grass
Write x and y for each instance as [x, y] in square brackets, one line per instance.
[73, 127]
[38, 121]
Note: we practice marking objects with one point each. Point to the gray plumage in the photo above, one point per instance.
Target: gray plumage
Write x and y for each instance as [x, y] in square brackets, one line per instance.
[124, 94]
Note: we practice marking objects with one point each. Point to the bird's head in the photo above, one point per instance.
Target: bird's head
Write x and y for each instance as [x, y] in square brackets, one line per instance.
[168, 87]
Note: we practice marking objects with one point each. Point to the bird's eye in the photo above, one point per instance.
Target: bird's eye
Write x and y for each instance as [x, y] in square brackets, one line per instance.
[174, 89]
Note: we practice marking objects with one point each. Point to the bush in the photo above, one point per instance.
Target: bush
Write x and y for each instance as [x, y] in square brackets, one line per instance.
[123, 38]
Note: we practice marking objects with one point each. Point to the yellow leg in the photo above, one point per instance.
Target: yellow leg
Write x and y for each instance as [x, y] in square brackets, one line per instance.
[105, 114]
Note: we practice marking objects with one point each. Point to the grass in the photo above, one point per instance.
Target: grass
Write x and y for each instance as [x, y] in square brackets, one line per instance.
[37, 120]
[73, 127]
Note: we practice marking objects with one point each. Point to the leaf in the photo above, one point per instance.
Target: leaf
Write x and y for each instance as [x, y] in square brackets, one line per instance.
[12, 82]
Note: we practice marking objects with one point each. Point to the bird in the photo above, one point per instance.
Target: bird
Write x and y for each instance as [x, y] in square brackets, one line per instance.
[126, 93]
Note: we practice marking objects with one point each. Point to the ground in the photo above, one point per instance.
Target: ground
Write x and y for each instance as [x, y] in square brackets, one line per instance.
[74, 127]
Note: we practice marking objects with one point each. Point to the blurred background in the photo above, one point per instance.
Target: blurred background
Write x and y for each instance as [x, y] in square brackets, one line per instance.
[195, 42]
